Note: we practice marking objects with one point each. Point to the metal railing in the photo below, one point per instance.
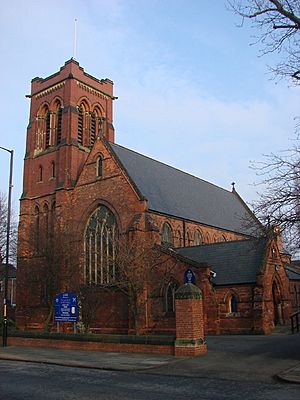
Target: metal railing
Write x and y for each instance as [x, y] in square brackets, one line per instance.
[295, 321]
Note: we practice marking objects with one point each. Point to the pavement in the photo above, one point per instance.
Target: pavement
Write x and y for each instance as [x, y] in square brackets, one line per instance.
[256, 358]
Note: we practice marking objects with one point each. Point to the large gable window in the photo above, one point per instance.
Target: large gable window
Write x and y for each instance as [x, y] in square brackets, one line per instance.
[100, 247]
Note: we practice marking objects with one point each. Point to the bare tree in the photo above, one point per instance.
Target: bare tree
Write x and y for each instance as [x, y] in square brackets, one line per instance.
[278, 24]
[279, 202]
[3, 231]
[53, 256]
[143, 270]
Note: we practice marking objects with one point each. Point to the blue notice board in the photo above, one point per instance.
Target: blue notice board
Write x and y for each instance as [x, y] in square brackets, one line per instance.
[189, 277]
[65, 307]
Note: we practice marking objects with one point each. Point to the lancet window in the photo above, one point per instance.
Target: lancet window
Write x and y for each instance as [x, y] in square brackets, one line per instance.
[100, 247]
[170, 297]
[197, 238]
[166, 234]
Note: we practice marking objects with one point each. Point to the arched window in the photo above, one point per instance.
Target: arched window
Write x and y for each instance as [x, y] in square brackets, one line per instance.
[46, 219]
[197, 238]
[100, 247]
[166, 234]
[42, 137]
[207, 239]
[80, 124]
[52, 169]
[47, 126]
[40, 174]
[93, 128]
[99, 166]
[170, 297]
[188, 239]
[52, 218]
[233, 304]
[59, 111]
[179, 238]
[36, 227]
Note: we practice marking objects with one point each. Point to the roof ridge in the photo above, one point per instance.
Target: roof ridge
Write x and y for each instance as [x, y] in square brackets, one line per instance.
[221, 243]
[174, 168]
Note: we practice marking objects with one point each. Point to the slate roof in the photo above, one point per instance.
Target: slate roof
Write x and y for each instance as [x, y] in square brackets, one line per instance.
[292, 274]
[236, 262]
[177, 193]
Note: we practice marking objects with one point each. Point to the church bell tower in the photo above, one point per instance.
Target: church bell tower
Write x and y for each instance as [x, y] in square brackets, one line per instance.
[68, 111]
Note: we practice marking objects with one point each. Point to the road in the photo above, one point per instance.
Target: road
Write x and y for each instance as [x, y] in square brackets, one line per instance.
[29, 381]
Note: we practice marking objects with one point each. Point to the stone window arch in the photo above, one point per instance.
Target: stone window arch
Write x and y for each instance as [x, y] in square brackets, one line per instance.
[100, 247]
[166, 233]
[170, 296]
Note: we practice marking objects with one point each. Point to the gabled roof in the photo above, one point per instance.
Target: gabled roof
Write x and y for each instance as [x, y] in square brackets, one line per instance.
[177, 193]
[236, 262]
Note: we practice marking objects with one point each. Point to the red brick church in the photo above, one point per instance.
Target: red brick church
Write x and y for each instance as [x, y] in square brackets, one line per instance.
[102, 220]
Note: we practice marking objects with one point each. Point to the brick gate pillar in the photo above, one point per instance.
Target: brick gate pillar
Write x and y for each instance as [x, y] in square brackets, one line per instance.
[189, 322]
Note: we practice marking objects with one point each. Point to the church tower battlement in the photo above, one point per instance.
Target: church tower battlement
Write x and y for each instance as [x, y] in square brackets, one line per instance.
[68, 111]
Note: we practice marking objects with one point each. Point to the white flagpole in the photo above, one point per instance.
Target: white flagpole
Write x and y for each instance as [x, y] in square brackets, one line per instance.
[74, 47]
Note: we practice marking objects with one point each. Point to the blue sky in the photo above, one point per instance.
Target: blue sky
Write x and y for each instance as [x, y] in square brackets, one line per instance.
[191, 90]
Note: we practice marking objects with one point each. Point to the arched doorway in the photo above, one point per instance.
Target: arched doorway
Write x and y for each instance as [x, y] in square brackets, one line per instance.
[277, 304]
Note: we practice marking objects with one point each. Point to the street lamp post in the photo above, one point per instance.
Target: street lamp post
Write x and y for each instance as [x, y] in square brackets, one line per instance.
[4, 337]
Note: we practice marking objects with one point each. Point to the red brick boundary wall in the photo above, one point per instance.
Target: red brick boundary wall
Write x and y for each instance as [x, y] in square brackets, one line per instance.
[189, 322]
[92, 346]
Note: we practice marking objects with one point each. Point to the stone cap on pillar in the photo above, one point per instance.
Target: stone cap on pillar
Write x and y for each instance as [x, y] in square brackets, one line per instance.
[188, 291]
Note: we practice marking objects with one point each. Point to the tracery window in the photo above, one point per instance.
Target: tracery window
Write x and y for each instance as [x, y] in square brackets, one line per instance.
[170, 297]
[166, 234]
[100, 247]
